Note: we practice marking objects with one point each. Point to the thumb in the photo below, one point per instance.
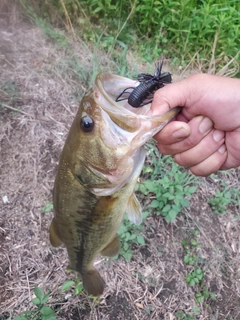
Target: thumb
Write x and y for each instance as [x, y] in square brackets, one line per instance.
[168, 97]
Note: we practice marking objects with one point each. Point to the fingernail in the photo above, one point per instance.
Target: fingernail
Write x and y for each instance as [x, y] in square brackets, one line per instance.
[180, 133]
[218, 135]
[222, 149]
[205, 125]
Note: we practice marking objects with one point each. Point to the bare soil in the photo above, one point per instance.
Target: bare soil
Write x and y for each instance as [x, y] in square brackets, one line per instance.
[39, 94]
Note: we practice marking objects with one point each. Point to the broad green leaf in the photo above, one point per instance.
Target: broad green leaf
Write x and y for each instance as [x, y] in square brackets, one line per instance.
[36, 301]
[186, 259]
[185, 203]
[140, 240]
[166, 195]
[45, 311]
[122, 229]
[172, 215]
[166, 208]
[154, 204]
[143, 189]
[78, 289]
[192, 282]
[45, 298]
[67, 285]
[145, 214]
[196, 279]
[192, 189]
[39, 293]
[167, 218]
[171, 190]
[128, 256]
[179, 187]
[132, 236]
[194, 242]
[49, 317]
[177, 202]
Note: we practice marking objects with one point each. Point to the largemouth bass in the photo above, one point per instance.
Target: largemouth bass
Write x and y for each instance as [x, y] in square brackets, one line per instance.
[99, 166]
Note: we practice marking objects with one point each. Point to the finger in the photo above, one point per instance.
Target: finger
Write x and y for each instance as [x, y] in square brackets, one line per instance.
[173, 132]
[168, 97]
[203, 150]
[171, 139]
[211, 164]
[232, 141]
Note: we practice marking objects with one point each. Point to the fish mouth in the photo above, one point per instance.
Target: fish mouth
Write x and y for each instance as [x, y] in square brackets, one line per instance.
[139, 121]
[107, 88]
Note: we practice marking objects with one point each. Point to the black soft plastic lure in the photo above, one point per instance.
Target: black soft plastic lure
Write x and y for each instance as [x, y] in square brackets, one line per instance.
[143, 93]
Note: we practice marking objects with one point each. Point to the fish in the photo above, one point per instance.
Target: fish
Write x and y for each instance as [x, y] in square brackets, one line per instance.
[98, 169]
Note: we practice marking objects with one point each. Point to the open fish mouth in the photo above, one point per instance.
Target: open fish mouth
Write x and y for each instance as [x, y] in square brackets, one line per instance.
[108, 87]
[111, 86]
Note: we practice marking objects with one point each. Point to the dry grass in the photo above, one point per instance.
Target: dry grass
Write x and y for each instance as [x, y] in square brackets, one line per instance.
[38, 80]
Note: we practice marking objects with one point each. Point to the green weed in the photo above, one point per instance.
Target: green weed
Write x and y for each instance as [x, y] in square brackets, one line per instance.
[75, 284]
[195, 277]
[130, 234]
[41, 312]
[204, 294]
[223, 197]
[186, 316]
[47, 208]
[167, 184]
[77, 287]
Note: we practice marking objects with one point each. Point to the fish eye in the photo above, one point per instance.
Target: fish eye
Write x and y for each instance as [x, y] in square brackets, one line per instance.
[86, 124]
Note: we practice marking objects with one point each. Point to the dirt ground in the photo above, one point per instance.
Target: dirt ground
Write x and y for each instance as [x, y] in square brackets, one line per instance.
[39, 94]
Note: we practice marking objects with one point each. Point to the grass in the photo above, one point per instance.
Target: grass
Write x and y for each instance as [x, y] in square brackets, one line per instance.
[178, 30]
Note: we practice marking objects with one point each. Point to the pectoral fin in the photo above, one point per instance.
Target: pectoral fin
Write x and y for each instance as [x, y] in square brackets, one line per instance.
[112, 248]
[134, 210]
[54, 239]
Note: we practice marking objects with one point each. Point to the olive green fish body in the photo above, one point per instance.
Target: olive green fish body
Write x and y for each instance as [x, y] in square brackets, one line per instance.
[98, 169]
[87, 224]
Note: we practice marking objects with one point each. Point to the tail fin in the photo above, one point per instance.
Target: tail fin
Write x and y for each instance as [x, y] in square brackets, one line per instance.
[93, 282]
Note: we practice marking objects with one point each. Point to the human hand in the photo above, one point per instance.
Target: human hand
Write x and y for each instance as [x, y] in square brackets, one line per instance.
[206, 134]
